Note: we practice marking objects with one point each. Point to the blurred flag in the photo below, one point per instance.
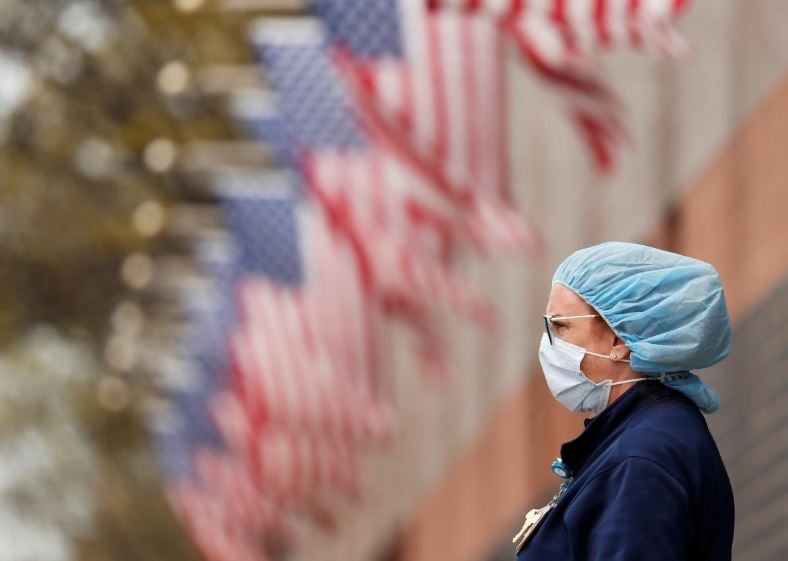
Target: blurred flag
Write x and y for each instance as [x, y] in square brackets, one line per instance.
[223, 512]
[304, 398]
[400, 231]
[556, 38]
[278, 401]
[584, 26]
[430, 86]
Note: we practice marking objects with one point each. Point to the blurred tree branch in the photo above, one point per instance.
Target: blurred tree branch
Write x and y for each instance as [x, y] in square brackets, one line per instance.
[73, 171]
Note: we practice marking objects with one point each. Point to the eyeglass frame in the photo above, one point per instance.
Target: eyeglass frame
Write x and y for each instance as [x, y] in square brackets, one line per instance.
[548, 322]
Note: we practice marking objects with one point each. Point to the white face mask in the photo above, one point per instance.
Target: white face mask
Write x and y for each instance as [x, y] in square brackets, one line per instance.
[561, 366]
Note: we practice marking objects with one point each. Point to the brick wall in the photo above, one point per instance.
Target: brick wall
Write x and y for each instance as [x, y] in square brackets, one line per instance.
[752, 428]
[735, 218]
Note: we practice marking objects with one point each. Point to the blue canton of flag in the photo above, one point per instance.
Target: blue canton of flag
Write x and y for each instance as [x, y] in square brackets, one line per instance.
[315, 109]
[369, 29]
[186, 424]
[260, 209]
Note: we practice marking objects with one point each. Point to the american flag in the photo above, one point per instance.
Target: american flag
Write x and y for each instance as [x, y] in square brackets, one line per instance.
[430, 86]
[400, 230]
[584, 26]
[279, 404]
[304, 400]
[202, 479]
[556, 38]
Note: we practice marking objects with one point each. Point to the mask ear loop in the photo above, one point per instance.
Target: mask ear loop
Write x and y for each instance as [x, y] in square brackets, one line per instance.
[631, 381]
[605, 356]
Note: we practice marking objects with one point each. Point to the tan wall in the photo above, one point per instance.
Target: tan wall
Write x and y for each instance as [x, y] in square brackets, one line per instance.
[732, 215]
[735, 215]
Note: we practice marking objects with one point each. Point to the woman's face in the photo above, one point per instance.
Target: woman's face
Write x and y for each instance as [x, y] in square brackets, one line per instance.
[591, 333]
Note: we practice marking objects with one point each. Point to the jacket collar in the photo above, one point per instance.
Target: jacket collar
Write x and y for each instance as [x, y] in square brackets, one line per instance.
[601, 427]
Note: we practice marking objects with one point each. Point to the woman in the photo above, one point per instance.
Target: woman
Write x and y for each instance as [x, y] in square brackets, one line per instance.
[625, 324]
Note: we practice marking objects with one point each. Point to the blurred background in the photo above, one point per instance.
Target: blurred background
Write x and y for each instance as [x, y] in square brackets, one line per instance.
[272, 271]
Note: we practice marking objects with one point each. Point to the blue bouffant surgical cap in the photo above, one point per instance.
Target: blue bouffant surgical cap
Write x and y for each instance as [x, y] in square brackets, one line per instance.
[668, 309]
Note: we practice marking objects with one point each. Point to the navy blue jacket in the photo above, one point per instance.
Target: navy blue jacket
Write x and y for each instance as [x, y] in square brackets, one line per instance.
[649, 485]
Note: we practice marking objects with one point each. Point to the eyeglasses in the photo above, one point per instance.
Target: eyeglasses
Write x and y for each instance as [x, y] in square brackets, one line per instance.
[548, 323]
